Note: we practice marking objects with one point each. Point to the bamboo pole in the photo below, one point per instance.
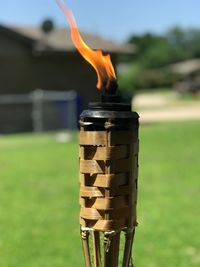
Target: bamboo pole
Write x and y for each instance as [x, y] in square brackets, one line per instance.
[97, 248]
[85, 241]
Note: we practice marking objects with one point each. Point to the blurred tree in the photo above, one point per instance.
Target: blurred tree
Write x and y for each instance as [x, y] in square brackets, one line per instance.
[176, 36]
[157, 51]
[193, 42]
[144, 42]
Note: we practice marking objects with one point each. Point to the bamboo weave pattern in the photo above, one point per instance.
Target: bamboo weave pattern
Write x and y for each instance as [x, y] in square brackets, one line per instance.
[108, 179]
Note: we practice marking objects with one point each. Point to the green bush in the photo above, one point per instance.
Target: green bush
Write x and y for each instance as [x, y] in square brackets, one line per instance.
[138, 77]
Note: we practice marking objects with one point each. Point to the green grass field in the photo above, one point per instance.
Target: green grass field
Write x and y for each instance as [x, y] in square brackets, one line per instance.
[39, 212]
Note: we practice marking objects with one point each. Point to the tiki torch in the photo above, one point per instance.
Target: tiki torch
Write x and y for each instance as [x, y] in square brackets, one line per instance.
[108, 179]
[108, 165]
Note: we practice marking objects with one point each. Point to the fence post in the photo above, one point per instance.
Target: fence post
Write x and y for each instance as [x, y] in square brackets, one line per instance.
[37, 102]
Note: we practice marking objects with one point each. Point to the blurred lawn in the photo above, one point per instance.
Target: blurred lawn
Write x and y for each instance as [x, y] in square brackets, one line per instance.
[39, 199]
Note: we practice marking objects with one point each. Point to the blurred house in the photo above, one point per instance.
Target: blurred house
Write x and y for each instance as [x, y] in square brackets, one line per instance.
[45, 58]
[189, 76]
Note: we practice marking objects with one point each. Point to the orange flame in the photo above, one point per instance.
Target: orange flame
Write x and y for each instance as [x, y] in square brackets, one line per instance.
[101, 63]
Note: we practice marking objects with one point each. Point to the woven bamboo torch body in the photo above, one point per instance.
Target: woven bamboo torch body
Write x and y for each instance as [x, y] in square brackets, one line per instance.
[108, 182]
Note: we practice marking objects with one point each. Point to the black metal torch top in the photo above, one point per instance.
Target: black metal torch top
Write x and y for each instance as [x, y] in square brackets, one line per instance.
[111, 106]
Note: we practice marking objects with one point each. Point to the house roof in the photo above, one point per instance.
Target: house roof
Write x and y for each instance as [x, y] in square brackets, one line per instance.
[59, 40]
[186, 67]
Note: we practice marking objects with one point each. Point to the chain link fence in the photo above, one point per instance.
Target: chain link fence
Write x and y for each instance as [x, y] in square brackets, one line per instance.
[38, 111]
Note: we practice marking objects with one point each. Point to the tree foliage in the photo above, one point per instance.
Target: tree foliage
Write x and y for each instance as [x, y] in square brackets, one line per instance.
[155, 52]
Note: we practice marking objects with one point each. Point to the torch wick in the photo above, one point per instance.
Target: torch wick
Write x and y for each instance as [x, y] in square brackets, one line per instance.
[112, 87]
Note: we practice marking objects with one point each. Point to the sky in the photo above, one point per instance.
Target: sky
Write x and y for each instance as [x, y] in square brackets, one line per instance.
[113, 19]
